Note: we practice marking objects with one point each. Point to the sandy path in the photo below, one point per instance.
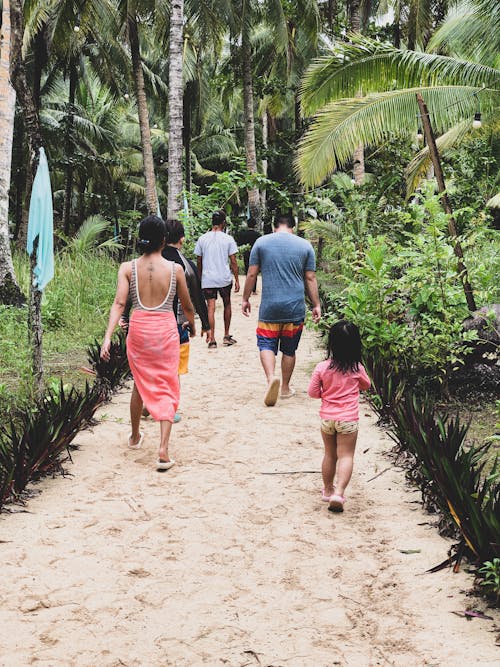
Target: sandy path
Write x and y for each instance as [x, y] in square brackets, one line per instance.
[214, 563]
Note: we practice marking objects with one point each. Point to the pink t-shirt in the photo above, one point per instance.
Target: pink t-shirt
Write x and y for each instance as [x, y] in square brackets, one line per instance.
[339, 392]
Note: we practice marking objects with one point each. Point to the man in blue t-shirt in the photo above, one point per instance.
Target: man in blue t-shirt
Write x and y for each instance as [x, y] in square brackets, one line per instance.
[288, 267]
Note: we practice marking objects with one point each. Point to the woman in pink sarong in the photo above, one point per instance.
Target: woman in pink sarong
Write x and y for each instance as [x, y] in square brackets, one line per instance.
[153, 338]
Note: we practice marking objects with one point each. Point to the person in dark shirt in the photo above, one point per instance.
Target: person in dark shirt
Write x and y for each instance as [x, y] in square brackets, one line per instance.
[172, 252]
[247, 236]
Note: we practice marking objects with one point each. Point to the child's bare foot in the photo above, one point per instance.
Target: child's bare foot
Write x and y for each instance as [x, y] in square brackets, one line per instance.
[326, 493]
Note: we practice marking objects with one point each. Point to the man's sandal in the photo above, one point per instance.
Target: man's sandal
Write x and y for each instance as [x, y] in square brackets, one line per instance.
[229, 340]
[212, 344]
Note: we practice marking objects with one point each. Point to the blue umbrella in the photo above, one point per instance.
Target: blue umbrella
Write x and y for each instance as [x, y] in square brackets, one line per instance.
[41, 225]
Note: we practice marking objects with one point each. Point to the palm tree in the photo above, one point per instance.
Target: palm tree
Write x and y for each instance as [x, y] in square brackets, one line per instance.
[452, 87]
[9, 289]
[142, 107]
[175, 110]
[34, 135]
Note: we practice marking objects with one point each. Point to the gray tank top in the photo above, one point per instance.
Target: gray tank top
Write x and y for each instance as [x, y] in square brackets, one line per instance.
[168, 302]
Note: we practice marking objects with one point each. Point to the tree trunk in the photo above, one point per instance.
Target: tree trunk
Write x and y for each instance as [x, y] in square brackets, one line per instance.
[142, 110]
[175, 112]
[331, 16]
[397, 24]
[18, 172]
[358, 157]
[265, 135]
[40, 60]
[452, 230]
[354, 15]
[68, 181]
[186, 133]
[248, 112]
[10, 294]
[34, 135]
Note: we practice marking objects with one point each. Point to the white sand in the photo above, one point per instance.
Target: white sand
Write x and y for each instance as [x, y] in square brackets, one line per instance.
[214, 563]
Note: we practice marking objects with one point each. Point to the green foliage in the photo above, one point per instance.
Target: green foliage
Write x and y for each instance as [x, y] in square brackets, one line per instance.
[490, 572]
[403, 290]
[88, 237]
[227, 192]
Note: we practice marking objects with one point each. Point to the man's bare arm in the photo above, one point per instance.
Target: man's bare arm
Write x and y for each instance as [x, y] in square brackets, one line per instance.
[234, 269]
[311, 285]
[253, 272]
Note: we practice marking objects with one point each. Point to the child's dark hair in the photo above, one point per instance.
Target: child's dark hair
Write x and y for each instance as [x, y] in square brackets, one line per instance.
[152, 233]
[344, 346]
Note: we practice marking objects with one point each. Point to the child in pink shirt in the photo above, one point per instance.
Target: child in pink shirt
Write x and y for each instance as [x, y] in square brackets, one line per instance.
[338, 381]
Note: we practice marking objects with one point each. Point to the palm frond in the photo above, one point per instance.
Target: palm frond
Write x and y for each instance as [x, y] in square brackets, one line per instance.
[469, 32]
[343, 125]
[88, 234]
[494, 202]
[37, 13]
[372, 66]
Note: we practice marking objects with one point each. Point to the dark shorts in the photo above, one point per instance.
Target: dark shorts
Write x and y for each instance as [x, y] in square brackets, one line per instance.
[225, 293]
[284, 336]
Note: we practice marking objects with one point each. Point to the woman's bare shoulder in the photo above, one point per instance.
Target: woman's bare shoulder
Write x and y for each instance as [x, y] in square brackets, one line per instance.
[125, 268]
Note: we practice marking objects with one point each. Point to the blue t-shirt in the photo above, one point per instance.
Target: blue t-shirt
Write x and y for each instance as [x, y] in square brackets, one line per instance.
[283, 259]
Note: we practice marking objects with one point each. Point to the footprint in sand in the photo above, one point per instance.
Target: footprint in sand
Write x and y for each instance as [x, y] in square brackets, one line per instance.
[139, 572]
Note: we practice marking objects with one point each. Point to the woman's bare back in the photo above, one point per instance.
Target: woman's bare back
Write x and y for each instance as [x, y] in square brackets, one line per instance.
[153, 279]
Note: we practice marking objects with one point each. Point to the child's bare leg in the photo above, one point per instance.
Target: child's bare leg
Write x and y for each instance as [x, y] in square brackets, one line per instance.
[165, 429]
[329, 461]
[346, 444]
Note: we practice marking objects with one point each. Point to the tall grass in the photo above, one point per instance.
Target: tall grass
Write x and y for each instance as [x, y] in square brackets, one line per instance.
[75, 309]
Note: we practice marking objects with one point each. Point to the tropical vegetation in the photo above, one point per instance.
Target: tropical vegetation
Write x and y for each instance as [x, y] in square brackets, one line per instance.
[255, 106]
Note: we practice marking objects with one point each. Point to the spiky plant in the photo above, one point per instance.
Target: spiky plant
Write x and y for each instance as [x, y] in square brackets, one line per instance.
[114, 372]
[462, 489]
[36, 440]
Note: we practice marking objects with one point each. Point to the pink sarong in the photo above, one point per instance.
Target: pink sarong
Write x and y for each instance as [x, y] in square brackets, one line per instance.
[153, 357]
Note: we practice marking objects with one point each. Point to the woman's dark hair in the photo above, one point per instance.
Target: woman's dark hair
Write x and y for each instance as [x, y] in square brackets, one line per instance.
[175, 231]
[344, 346]
[152, 233]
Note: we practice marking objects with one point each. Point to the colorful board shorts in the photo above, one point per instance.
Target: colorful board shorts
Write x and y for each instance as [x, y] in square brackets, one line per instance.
[331, 426]
[225, 293]
[284, 336]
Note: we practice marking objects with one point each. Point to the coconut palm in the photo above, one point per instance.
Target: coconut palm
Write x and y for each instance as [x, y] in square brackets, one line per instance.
[453, 87]
[175, 115]
[132, 17]
[9, 289]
